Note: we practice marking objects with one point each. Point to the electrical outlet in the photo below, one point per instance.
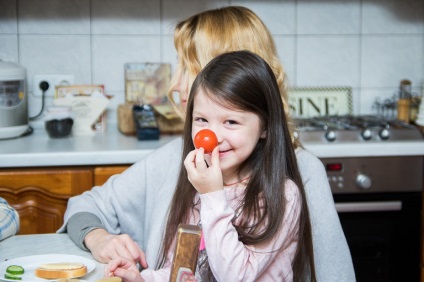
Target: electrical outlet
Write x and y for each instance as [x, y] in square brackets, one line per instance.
[52, 80]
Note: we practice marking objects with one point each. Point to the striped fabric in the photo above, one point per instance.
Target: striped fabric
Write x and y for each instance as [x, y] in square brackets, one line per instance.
[9, 220]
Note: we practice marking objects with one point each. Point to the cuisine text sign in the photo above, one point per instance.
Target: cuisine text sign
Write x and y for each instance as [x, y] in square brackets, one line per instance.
[320, 101]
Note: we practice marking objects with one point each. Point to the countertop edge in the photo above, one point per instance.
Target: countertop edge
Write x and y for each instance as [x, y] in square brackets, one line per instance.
[73, 159]
[114, 148]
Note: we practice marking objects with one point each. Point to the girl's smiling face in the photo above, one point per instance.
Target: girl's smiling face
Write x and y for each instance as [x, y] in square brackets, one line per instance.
[238, 132]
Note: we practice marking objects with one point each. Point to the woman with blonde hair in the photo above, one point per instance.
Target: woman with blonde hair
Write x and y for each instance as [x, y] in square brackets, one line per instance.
[127, 214]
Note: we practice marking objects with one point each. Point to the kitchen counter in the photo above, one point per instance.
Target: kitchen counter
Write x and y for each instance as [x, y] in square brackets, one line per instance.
[107, 148]
[112, 147]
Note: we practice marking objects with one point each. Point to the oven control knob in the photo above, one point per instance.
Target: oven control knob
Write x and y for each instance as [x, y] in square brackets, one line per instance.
[384, 134]
[366, 134]
[330, 135]
[363, 181]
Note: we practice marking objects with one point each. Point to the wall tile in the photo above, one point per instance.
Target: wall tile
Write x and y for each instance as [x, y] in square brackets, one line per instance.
[328, 17]
[56, 54]
[9, 48]
[125, 17]
[278, 16]
[110, 53]
[328, 61]
[8, 17]
[367, 44]
[54, 17]
[393, 16]
[356, 102]
[118, 97]
[384, 95]
[174, 11]
[388, 59]
[286, 51]
[168, 52]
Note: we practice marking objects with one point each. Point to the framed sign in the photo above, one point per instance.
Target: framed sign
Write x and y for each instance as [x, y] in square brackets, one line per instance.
[320, 101]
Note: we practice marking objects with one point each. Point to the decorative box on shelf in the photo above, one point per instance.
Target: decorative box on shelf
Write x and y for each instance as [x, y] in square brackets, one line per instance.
[148, 84]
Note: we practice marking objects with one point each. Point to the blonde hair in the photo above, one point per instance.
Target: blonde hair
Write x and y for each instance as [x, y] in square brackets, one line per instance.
[203, 36]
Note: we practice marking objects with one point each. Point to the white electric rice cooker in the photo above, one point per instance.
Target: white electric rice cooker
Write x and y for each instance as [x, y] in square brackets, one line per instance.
[13, 100]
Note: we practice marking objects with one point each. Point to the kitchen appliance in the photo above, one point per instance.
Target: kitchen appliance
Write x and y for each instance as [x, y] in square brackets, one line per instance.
[348, 128]
[13, 100]
[378, 199]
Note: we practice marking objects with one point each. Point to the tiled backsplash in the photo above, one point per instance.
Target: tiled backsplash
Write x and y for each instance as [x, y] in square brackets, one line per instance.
[369, 45]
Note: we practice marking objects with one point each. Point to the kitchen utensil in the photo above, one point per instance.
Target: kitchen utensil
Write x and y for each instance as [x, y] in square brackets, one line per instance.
[13, 100]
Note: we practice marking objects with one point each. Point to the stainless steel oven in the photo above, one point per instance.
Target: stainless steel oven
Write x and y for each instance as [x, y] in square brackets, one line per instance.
[379, 204]
[378, 199]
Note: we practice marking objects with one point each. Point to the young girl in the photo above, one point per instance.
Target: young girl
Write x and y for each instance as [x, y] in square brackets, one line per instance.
[249, 200]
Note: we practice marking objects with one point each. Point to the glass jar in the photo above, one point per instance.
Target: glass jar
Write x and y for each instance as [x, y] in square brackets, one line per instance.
[58, 121]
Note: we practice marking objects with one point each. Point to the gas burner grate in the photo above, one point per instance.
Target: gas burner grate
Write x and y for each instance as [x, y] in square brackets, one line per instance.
[351, 128]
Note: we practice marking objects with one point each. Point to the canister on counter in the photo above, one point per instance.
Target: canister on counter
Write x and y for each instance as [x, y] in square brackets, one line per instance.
[404, 102]
[59, 121]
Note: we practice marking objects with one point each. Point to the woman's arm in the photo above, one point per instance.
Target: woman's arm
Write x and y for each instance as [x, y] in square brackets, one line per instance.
[9, 220]
[128, 209]
[333, 261]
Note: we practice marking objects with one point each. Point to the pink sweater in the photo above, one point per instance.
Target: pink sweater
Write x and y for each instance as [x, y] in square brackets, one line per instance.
[231, 260]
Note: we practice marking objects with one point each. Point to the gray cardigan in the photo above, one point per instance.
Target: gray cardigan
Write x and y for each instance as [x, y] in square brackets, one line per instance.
[136, 203]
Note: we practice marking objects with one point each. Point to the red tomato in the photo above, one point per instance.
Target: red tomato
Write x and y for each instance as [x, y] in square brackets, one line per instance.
[206, 139]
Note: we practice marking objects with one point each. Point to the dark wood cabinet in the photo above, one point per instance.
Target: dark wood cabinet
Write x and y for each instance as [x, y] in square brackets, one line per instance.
[40, 195]
[102, 173]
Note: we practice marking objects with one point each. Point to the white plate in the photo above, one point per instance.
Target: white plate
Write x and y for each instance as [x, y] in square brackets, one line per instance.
[30, 263]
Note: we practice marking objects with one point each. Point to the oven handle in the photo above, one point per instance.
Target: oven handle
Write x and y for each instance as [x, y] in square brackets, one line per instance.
[369, 206]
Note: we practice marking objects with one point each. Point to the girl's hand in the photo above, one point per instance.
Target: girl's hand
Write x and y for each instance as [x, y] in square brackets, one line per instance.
[205, 177]
[123, 268]
[187, 278]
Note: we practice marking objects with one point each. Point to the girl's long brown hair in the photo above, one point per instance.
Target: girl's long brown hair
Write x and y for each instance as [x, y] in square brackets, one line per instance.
[244, 81]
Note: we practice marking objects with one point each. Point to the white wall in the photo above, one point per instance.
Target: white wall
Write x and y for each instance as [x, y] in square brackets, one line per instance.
[369, 45]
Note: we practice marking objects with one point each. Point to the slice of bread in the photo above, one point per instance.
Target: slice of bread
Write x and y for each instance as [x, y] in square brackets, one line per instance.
[61, 270]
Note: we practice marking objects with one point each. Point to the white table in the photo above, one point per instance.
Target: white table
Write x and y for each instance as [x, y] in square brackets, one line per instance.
[41, 244]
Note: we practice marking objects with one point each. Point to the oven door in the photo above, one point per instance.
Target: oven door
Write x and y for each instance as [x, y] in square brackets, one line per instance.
[383, 233]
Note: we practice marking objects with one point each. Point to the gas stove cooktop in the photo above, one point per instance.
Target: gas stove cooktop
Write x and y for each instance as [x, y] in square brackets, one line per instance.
[349, 128]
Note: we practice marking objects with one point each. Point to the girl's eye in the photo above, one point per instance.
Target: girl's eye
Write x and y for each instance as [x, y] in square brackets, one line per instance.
[231, 122]
[199, 119]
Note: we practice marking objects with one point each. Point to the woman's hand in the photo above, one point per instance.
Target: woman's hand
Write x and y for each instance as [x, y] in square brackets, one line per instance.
[123, 268]
[205, 177]
[105, 247]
